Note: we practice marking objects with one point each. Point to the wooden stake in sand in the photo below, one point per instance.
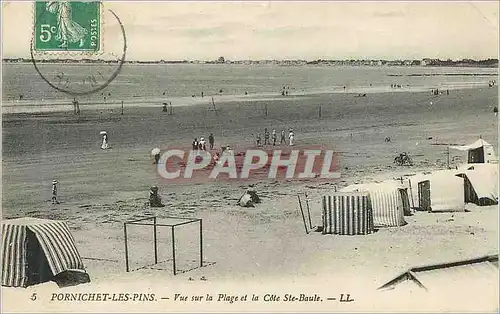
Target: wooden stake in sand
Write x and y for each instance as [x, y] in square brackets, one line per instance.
[122, 107]
[213, 104]
[308, 212]
[303, 216]
[411, 193]
[319, 113]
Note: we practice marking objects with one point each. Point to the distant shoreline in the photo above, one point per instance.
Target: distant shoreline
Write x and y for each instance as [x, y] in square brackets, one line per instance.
[490, 63]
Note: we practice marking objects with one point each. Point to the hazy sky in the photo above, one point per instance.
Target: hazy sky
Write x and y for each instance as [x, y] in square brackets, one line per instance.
[308, 30]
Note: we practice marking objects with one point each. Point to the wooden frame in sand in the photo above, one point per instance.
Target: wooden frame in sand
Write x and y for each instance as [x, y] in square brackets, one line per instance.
[152, 221]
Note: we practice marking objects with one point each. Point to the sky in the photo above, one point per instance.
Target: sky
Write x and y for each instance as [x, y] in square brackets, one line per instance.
[283, 30]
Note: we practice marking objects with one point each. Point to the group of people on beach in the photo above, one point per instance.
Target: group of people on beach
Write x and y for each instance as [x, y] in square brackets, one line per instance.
[201, 144]
[398, 85]
[285, 91]
[274, 137]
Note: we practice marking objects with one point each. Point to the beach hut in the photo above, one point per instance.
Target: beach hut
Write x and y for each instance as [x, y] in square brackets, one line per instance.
[465, 275]
[347, 213]
[480, 183]
[388, 202]
[437, 191]
[39, 250]
[478, 152]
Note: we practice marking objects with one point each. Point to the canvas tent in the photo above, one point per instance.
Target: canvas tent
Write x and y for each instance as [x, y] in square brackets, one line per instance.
[39, 250]
[347, 213]
[480, 183]
[478, 273]
[438, 191]
[388, 202]
[478, 152]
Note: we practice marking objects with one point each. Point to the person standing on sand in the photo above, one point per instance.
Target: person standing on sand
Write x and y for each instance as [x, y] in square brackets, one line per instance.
[258, 140]
[495, 110]
[195, 144]
[283, 138]
[274, 137]
[211, 140]
[203, 145]
[54, 192]
[266, 137]
[105, 144]
[291, 137]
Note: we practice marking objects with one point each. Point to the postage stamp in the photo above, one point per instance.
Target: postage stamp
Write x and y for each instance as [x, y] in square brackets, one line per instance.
[67, 26]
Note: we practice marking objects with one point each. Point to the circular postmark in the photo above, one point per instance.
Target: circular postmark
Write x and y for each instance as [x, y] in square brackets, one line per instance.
[67, 49]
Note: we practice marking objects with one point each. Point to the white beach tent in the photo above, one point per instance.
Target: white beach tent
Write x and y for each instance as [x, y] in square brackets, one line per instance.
[387, 202]
[481, 183]
[479, 152]
[438, 191]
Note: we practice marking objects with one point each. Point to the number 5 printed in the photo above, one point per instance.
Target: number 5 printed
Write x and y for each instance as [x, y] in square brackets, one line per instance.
[46, 32]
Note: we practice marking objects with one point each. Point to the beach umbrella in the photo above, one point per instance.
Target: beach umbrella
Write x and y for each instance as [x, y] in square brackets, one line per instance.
[155, 151]
[103, 132]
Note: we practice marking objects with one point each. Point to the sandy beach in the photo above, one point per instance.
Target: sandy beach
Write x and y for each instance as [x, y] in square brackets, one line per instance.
[250, 249]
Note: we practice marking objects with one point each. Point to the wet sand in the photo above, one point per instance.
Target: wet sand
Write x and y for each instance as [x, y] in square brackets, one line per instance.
[99, 190]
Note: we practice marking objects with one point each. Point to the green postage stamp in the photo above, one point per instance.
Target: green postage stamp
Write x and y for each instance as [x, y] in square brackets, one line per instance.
[67, 26]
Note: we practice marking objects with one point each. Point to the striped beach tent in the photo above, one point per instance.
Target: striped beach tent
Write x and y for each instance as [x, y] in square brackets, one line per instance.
[347, 213]
[39, 250]
[387, 202]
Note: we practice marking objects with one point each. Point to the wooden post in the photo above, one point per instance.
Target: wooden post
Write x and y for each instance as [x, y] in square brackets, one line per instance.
[308, 212]
[303, 216]
[411, 193]
[173, 250]
[320, 111]
[122, 107]
[266, 109]
[213, 104]
[201, 243]
[171, 109]
[156, 244]
[448, 153]
[126, 246]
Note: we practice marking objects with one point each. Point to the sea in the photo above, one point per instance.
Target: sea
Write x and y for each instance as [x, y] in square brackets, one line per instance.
[24, 90]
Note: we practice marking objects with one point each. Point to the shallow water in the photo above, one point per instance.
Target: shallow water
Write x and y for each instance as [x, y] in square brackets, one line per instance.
[144, 85]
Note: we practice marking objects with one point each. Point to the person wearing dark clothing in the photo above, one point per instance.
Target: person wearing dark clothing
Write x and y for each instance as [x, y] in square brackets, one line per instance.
[211, 140]
[154, 198]
[195, 144]
[274, 137]
[283, 138]
[266, 137]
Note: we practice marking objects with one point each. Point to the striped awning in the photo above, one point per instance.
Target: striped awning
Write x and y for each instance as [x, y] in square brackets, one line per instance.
[56, 243]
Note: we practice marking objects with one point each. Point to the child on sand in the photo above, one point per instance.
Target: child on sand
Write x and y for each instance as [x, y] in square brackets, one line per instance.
[283, 138]
[274, 137]
[105, 144]
[266, 137]
[54, 192]
[291, 137]
[258, 139]
[211, 140]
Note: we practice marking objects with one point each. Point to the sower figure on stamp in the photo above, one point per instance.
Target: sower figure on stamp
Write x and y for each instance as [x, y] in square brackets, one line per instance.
[68, 31]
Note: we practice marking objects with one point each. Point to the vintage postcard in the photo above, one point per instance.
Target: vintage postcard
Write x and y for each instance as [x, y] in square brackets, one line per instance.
[249, 156]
